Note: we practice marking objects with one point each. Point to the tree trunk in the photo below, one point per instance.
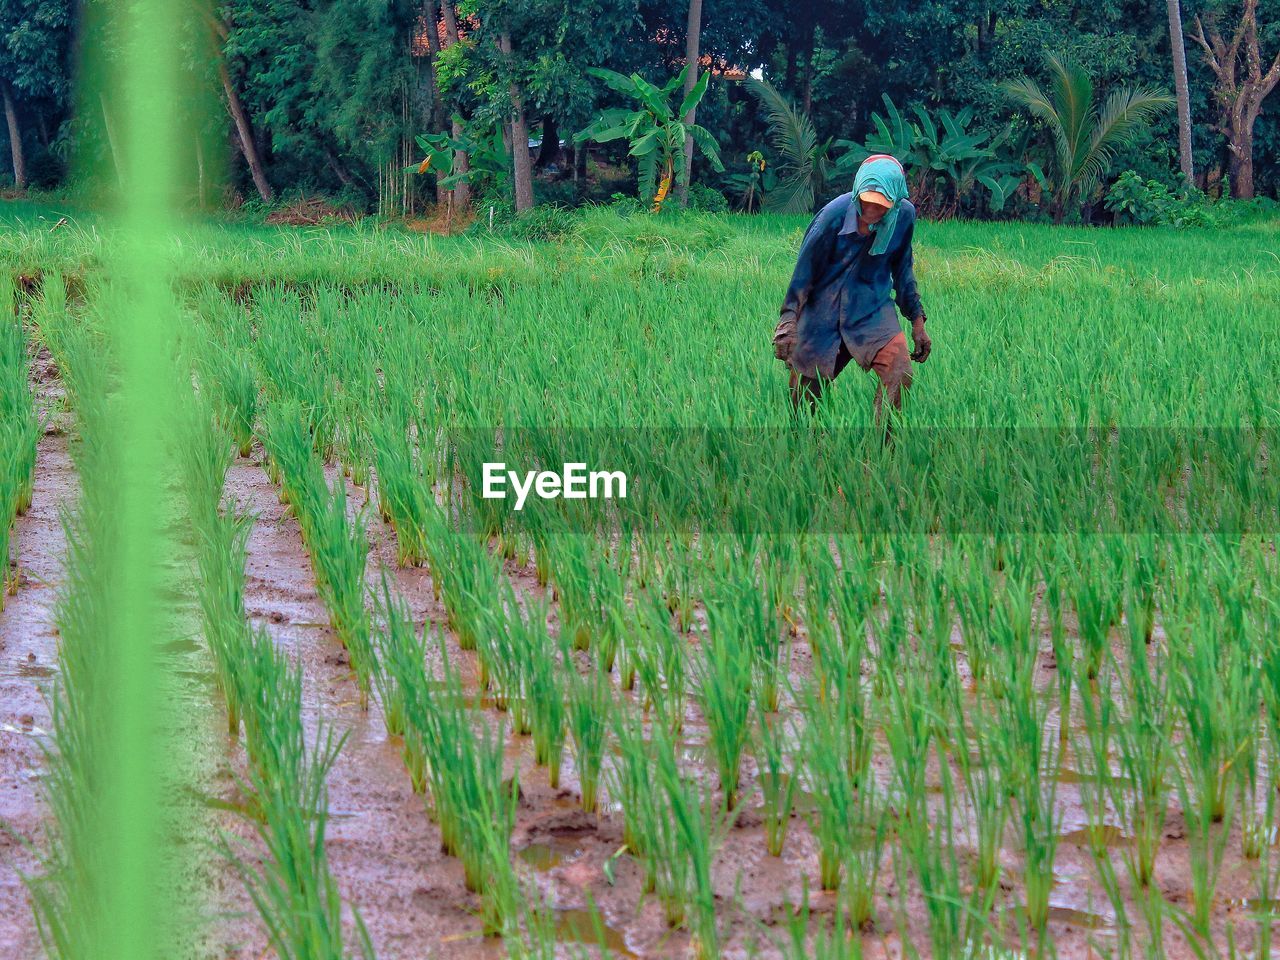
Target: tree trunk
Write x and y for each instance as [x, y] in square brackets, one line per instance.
[1180, 88]
[1239, 99]
[15, 140]
[549, 152]
[810, 42]
[450, 14]
[1240, 166]
[461, 162]
[244, 129]
[431, 25]
[693, 42]
[519, 140]
[436, 119]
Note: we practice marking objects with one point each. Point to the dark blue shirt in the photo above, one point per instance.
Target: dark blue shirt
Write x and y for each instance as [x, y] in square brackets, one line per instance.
[840, 290]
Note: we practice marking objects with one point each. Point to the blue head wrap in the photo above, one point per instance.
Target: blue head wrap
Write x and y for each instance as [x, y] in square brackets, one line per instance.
[883, 174]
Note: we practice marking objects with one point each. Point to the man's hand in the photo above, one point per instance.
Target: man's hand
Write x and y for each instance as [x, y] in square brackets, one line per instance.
[923, 345]
[784, 336]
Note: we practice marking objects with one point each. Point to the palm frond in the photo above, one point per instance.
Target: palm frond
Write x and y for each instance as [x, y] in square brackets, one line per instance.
[792, 194]
[1124, 114]
[791, 132]
[1073, 103]
[793, 135]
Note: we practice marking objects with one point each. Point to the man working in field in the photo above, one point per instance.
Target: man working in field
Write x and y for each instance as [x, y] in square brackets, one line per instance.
[837, 308]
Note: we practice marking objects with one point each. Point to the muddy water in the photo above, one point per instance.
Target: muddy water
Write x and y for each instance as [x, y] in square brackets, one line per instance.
[575, 856]
[384, 850]
[28, 661]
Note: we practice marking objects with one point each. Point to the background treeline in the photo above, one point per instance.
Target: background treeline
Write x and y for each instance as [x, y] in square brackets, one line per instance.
[393, 105]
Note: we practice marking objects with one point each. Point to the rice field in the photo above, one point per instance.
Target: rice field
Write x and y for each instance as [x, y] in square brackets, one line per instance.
[1006, 685]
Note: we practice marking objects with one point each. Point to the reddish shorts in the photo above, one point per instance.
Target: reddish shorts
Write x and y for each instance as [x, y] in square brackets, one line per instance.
[892, 364]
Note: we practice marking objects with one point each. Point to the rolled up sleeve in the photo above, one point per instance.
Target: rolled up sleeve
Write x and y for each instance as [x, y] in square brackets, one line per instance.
[904, 280]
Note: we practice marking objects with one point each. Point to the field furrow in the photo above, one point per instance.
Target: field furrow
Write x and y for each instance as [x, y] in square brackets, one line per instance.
[28, 665]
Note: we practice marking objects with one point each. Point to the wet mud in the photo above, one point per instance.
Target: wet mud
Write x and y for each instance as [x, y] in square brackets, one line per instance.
[384, 850]
[28, 664]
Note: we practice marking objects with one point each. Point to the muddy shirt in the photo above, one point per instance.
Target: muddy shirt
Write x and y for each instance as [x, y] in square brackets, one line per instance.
[840, 290]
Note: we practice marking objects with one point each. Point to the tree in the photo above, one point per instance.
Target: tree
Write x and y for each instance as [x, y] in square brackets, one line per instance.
[529, 58]
[35, 42]
[657, 132]
[693, 35]
[1181, 90]
[804, 166]
[1085, 138]
[1242, 84]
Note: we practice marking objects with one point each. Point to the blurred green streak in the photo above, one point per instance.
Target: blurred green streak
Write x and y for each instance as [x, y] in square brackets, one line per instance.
[145, 83]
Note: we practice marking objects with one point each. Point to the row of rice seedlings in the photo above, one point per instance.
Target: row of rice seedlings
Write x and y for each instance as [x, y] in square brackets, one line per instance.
[19, 424]
[462, 768]
[221, 548]
[71, 896]
[293, 889]
[337, 546]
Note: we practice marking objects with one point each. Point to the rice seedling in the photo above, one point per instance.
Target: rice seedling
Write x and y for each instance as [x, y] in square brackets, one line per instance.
[473, 805]
[725, 676]
[543, 689]
[632, 785]
[589, 707]
[777, 784]
[660, 656]
[403, 490]
[231, 376]
[466, 576]
[1096, 589]
[402, 684]
[831, 941]
[851, 824]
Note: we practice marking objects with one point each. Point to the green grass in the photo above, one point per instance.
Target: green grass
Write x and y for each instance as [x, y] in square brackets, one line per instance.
[1063, 564]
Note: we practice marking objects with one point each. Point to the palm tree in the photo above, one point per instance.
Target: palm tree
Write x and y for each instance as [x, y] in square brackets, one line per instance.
[1085, 138]
[804, 165]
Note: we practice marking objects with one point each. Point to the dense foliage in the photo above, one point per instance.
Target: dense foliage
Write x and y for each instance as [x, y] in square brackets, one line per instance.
[331, 97]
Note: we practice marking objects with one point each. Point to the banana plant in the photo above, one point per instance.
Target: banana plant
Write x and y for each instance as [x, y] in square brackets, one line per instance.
[656, 131]
[487, 156]
[943, 153]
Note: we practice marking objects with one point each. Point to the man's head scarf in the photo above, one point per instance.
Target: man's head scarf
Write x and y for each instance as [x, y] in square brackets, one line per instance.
[883, 174]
